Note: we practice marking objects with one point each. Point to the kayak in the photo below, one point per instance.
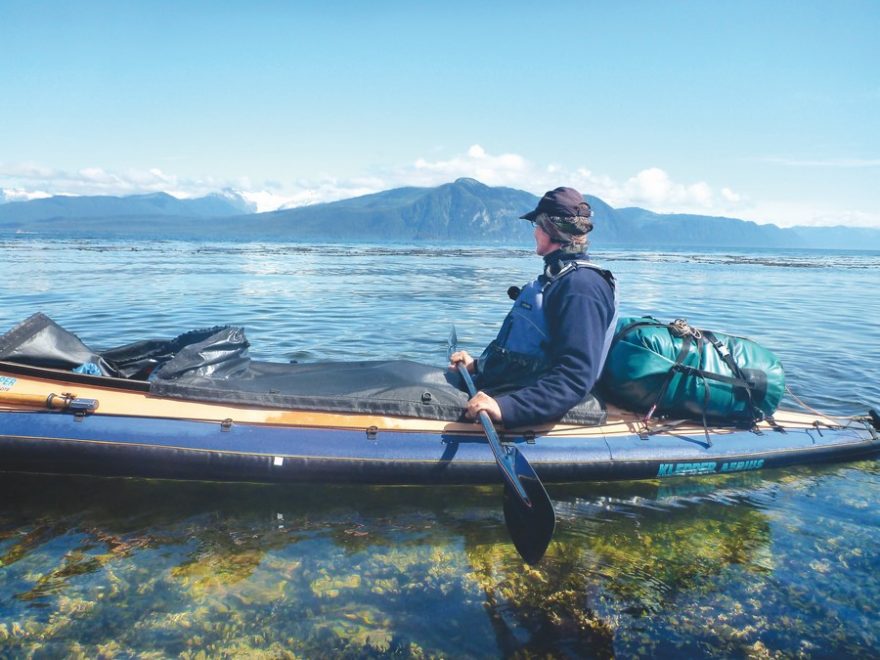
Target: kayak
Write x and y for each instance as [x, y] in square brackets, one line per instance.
[382, 422]
[62, 423]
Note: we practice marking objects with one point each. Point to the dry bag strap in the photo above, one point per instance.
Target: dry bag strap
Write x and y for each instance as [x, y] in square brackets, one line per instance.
[677, 366]
[735, 369]
[629, 327]
[724, 352]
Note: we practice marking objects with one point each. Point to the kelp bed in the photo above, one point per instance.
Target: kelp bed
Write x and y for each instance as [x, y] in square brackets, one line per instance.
[745, 566]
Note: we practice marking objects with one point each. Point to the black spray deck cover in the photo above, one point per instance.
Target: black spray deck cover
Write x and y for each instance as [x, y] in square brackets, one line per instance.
[213, 365]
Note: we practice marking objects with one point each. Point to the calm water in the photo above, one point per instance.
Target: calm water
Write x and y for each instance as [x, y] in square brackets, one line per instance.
[776, 563]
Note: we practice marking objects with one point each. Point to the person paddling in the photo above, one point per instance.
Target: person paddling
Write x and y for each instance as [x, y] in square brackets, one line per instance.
[553, 343]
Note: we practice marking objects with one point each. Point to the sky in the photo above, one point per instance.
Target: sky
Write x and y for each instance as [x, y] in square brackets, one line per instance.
[766, 110]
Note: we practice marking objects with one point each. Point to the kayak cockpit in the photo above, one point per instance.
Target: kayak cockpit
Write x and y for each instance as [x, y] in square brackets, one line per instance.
[213, 366]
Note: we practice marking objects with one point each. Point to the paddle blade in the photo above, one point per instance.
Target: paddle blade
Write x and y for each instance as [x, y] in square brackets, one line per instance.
[529, 515]
[530, 527]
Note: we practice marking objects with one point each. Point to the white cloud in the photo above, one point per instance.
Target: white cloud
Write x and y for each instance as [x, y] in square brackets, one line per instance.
[654, 189]
[23, 181]
[730, 196]
[789, 214]
[303, 193]
[17, 195]
[651, 187]
[476, 163]
[29, 179]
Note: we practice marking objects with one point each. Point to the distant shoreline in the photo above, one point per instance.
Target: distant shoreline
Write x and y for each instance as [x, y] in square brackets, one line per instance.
[610, 249]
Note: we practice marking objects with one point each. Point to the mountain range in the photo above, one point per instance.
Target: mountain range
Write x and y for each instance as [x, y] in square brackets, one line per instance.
[217, 205]
[462, 212]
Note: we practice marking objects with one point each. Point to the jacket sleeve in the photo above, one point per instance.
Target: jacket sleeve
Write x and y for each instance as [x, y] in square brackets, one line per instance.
[579, 309]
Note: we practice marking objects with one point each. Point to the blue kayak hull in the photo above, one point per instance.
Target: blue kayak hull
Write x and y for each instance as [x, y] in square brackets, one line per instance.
[120, 445]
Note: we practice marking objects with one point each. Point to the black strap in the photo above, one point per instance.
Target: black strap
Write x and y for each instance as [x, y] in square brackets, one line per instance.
[702, 373]
[735, 369]
[677, 366]
[725, 355]
[625, 330]
[705, 406]
[570, 266]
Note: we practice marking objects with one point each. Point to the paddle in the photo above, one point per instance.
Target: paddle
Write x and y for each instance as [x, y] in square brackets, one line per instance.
[528, 512]
[51, 401]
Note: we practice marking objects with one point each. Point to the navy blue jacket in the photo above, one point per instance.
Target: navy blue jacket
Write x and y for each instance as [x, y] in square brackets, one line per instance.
[579, 308]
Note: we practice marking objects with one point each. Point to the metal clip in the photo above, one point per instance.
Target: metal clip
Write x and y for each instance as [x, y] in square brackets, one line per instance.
[69, 402]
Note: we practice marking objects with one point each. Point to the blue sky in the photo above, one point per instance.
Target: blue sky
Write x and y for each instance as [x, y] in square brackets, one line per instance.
[762, 110]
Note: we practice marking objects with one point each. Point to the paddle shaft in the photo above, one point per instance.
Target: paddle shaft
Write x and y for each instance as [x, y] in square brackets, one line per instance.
[503, 456]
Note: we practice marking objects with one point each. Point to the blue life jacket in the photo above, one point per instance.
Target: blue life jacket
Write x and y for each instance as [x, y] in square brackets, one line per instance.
[520, 354]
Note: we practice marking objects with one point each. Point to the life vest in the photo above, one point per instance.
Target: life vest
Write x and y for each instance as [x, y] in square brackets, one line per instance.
[520, 353]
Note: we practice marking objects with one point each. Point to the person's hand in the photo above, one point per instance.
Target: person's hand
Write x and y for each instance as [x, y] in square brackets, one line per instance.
[465, 358]
[481, 401]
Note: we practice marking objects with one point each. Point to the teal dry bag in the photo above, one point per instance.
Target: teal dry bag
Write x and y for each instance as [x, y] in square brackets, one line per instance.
[675, 370]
